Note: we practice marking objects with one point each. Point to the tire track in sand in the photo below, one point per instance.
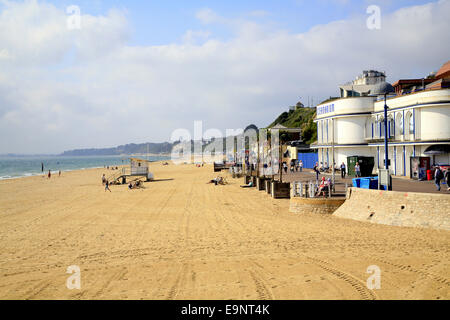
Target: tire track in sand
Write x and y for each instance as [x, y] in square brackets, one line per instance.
[179, 281]
[356, 283]
[263, 290]
[425, 274]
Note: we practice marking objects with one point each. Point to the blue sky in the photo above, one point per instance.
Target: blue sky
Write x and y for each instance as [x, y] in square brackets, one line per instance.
[161, 65]
[163, 22]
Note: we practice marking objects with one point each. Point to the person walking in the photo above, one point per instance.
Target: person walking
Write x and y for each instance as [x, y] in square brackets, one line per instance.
[42, 167]
[317, 171]
[447, 178]
[357, 170]
[438, 176]
[107, 186]
[301, 165]
[343, 170]
[49, 174]
[103, 179]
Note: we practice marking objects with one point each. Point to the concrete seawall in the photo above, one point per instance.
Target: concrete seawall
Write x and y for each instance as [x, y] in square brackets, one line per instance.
[315, 205]
[397, 208]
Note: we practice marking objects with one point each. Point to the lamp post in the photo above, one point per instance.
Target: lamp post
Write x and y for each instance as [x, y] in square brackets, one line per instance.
[333, 174]
[386, 150]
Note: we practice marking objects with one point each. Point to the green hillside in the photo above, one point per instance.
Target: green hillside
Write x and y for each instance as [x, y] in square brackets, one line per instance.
[301, 118]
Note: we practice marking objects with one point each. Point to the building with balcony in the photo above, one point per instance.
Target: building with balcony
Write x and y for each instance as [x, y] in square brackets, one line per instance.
[418, 126]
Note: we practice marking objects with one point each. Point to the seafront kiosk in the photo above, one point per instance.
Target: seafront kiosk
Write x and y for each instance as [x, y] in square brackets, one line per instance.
[139, 168]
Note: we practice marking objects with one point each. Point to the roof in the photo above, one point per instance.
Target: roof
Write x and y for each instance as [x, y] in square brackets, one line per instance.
[444, 71]
[372, 89]
[283, 128]
[279, 126]
[412, 82]
[382, 88]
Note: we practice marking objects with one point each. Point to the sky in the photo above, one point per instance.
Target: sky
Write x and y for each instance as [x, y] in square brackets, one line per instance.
[136, 71]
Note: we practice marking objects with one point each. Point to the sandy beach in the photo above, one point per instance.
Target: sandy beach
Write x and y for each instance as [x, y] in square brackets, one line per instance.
[181, 238]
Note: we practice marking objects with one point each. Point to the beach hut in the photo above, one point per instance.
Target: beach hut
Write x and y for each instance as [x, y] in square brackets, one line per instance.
[139, 167]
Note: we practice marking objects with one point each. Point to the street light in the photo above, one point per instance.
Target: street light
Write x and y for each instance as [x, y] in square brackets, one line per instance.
[385, 178]
[386, 150]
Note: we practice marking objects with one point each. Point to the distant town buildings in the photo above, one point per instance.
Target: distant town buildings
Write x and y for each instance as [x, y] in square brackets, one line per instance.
[370, 83]
[435, 81]
[418, 121]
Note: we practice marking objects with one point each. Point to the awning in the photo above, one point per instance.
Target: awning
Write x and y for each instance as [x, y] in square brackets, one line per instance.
[437, 149]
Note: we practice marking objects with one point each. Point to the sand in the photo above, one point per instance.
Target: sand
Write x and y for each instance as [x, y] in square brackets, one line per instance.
[185, 239]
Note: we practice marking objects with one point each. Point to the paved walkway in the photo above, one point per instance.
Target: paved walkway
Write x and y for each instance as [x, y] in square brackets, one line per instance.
[401, 184]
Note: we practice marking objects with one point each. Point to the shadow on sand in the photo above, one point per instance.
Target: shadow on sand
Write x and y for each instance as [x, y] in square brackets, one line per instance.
[162, 180]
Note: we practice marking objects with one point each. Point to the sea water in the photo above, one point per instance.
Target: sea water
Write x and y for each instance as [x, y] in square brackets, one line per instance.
[17, 167]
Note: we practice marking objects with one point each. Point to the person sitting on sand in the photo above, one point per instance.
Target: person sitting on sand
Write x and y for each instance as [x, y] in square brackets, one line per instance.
[250, 185]
[215, 181]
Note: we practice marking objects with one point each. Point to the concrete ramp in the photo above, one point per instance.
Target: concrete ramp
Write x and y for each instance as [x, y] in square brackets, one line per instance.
[397, 208]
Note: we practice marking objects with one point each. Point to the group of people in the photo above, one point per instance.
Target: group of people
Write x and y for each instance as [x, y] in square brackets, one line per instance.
[133, 185]
[217, 181]
[440, 175]
[49, 174]
[105, 182]
[111, 168]
[343, 168]
[296, 166]
[136, 185]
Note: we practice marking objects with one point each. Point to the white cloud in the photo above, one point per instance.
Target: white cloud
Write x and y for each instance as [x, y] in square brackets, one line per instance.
[192, 37]
[208, 16]
[62, 89]
[259, 13]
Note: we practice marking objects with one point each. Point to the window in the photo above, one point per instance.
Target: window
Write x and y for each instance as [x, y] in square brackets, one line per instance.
[411, 124]
[319, 131]
[398, 126]
[381, 127]
[328, 136]
[391, 128]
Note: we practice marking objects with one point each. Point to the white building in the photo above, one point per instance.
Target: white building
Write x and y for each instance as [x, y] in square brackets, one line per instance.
[353, 125]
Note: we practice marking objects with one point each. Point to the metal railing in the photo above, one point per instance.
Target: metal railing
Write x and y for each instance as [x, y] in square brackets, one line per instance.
[310, 189]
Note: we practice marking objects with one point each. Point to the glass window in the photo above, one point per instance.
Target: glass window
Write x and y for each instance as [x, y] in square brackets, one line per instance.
[411, 124]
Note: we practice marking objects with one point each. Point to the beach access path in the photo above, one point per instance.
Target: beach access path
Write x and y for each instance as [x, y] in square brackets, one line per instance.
[181, 238]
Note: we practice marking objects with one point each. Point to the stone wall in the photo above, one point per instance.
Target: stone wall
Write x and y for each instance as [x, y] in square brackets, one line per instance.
[397, 208]
[315, 205]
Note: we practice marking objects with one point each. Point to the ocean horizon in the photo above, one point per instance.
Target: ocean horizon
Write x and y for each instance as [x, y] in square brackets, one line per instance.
[14, 167]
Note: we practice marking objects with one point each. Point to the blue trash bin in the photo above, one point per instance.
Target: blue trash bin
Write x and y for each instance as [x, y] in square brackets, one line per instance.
[374, 183]
[365, 183]
[357, 182]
